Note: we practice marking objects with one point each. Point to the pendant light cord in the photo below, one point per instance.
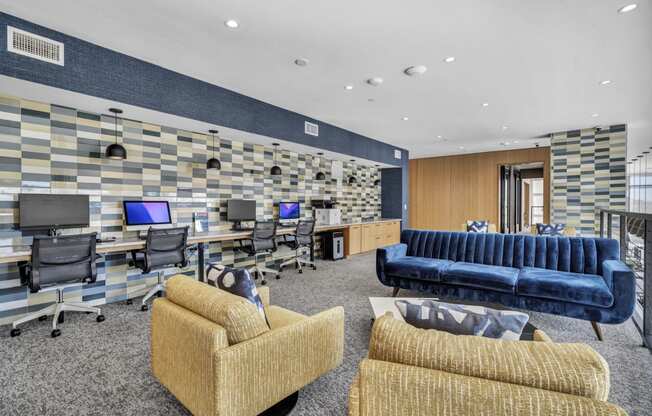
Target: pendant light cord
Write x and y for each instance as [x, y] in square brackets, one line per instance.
[115, 130]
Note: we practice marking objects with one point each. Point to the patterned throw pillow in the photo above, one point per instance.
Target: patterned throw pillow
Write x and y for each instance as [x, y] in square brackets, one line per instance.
[463, 319]
[550, 229]
[477, 226]
[237, 282]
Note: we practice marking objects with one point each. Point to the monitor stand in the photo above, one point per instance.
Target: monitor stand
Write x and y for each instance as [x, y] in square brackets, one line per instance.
[53, 232]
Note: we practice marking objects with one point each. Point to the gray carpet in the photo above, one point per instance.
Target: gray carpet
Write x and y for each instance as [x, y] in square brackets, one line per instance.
[103, 369]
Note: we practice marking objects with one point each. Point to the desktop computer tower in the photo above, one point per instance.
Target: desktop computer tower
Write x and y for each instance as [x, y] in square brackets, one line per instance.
[334, 245]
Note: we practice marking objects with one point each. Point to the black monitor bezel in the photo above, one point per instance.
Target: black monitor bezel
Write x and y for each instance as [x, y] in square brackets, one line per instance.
[126, 216]
[52, 226]
[240, 220]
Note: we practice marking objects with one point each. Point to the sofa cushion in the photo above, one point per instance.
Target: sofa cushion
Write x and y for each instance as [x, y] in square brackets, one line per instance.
[422, 268]
[586, 289]
[483, 276]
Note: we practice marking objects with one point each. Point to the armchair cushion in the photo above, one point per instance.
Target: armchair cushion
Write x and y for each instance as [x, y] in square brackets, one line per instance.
[237, 282]
[585, 289]
[421, 268]
[237, 315]
[565, 368]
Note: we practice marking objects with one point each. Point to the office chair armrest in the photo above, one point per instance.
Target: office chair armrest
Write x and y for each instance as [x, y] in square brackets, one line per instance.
[261, 371]
[24, 269]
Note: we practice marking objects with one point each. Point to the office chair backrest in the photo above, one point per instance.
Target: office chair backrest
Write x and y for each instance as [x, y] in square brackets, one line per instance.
[166, 247]
[264, 235]
[305, 232]
[62, 259]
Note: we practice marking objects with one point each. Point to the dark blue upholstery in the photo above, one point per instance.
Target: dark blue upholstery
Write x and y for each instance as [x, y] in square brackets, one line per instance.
[571, 276]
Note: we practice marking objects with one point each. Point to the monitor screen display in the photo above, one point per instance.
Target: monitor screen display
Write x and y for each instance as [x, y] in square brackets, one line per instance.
[241, 210]
[45, 211]
[147, 212]
[288, 210]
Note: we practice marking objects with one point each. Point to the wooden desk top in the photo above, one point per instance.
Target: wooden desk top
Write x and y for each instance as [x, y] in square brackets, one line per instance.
[19, 249]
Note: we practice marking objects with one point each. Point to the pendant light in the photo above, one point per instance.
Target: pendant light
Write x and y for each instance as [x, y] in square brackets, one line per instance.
[115, 150]
[377, 181]
[276, 169]
[352, 179]
[320, 175]
[213, 163]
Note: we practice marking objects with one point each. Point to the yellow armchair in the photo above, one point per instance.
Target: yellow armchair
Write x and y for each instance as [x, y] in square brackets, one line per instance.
[192, 358]
[411, 371]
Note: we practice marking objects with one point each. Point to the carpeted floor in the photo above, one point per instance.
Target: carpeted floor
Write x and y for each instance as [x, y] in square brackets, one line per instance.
[103, 369]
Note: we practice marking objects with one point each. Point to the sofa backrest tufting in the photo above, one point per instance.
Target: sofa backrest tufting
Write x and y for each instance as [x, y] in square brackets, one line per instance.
[569, 254]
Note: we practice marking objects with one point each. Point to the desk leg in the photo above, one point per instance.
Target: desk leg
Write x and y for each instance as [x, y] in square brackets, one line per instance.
[312, 252]
[201, 264]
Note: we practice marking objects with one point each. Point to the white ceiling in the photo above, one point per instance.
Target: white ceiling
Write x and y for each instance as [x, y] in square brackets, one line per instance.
[537, 63]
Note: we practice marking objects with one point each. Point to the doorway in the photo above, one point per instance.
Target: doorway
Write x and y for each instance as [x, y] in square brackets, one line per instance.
[521, 197]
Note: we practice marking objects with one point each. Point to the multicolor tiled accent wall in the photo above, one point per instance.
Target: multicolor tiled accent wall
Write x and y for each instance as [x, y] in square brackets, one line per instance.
[45, 148]
[588, 173]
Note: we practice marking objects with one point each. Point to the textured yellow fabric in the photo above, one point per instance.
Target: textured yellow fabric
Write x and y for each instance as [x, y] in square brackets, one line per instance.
[567, 368]
[263, 291]
[389, 389]
[540, 336]
[279, 317]
[182, 347]
[255, 374]
[354, 396]
[237, 315]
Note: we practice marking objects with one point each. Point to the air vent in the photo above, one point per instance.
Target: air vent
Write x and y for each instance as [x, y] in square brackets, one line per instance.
[311, 128]
[34, 46]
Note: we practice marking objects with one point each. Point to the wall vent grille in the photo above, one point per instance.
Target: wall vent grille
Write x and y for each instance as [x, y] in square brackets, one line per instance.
[311, 128]
[34, 46]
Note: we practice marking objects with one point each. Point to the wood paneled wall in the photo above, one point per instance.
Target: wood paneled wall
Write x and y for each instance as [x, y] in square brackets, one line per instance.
[446, 191]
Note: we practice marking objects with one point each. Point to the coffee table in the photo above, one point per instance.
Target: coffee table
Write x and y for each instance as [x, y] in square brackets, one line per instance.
[381, 305]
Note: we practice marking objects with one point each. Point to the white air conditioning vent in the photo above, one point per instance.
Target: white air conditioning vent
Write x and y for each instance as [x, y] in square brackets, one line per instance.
[311, 128]
[34, 46]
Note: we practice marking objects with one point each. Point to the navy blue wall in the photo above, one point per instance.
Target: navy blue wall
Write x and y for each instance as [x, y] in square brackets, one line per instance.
[100, 72]
[394, 182]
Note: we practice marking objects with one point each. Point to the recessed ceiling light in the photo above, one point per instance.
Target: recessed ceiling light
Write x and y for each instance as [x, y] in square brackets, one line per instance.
[485, 104]
[232, 24]
[595, 115]
[461, 147]
[348, 87]
[627, 8]
[505, 127]
[605, 82]
[515, 141]
[415, 70]
[301, 61]
[375, 81]
[405, 118]
[439, 137]
[449, 59]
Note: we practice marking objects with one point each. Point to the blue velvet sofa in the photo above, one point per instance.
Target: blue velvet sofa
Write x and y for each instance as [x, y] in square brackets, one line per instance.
[576, 277]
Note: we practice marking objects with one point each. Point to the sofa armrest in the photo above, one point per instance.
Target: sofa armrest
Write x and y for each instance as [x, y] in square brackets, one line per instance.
[387, 389]
[255, 374]
[386, 254]
[182, 347]
[622, 282]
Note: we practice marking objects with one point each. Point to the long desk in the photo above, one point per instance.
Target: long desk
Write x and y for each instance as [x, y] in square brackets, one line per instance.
[20, 250]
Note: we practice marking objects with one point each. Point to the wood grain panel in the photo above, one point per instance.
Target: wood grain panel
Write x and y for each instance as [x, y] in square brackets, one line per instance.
[446, 191]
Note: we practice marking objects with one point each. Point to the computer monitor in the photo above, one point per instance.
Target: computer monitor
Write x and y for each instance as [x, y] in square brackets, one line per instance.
[288, 210]
[147, 212]
[241, 210]
[51, 212]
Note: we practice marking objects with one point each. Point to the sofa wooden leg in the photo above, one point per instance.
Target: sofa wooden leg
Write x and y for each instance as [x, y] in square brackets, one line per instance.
[395, 291]
[597, 329]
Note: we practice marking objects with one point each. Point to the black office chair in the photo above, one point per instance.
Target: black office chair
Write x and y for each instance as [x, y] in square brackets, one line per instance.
[304, 237]
[163, 248]
[56, 261]
[262, 242]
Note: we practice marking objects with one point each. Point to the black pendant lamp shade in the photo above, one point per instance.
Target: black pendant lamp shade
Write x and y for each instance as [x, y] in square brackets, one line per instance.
[320, 176]
[115, 150]
[377, 181]
[213, 163]
[352, 179]
[276, 169]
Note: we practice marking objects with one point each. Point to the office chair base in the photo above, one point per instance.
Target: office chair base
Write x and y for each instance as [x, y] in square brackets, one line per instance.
[56, 310]
[159, 288]
[298, 263]
[262, 271]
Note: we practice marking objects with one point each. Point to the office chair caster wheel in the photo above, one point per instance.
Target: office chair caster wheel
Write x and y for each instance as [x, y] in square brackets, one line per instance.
[314, 267]
[144, 308]
[55, 333]
[264, 282]
[42, 318]
[15, 332]
[129, 302]
[278, 276]
[301, 271]
[100, 318]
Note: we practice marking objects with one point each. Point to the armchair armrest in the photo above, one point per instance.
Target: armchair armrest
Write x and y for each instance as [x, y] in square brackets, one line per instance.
[386, 389]
[386, 254]
[622, 282]
[255, 374]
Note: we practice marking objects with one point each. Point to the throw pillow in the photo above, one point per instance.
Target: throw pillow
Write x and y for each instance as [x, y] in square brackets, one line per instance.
[463, 319]
[477, 226]
[237, 282]
[550, 229]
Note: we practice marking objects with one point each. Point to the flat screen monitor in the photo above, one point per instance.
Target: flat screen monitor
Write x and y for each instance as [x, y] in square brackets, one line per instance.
[241, 210]
[288, 210]
[147, 212]
[48, 211]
